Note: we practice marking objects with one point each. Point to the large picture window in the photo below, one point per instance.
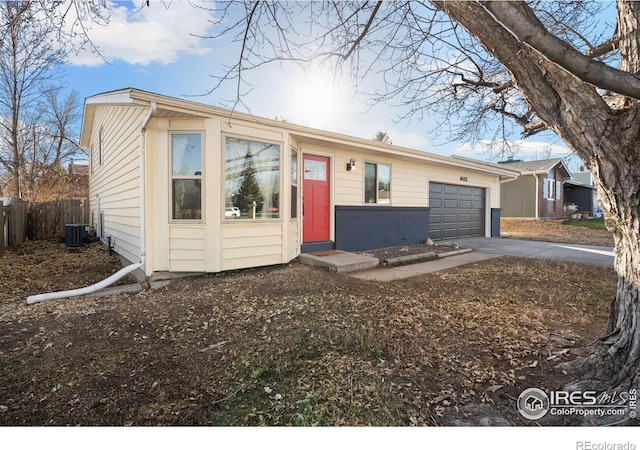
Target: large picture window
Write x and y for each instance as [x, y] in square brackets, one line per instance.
[186, 176]
[377, 183]
[252, 179]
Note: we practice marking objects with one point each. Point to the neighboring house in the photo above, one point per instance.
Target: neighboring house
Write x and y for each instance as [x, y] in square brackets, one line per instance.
[76, 169]
[165, 174]
[79, 179]
[538, 191]
[581, 192]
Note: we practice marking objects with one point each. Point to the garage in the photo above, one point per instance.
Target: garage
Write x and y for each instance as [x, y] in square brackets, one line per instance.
[456, 211]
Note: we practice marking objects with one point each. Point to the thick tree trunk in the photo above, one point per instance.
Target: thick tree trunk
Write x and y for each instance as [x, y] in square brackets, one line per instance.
[607, 142]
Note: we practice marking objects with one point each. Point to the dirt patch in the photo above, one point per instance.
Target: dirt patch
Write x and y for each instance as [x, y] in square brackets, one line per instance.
[554, 231]
[293, 344]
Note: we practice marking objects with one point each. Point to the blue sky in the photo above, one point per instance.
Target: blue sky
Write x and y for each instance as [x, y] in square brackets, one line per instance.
[155, 49]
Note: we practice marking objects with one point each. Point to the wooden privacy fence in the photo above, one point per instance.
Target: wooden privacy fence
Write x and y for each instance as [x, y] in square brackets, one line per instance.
[47, 219]
[13, 225]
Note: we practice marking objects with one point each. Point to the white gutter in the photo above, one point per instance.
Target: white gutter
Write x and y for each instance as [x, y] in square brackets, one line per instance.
[130, 268]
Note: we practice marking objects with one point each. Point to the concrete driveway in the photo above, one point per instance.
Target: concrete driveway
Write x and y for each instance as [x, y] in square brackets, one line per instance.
[487, 248]
[584, 254]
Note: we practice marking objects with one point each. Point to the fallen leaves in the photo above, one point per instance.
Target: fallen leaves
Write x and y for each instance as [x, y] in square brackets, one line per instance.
[290, 345]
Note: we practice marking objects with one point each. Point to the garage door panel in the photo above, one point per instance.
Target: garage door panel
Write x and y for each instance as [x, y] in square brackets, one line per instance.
[456, 211]
[465, 190]
[450, 219]
[450, 233]
[465, 231]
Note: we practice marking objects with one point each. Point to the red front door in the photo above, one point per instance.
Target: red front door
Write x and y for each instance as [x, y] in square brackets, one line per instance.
[316, 199]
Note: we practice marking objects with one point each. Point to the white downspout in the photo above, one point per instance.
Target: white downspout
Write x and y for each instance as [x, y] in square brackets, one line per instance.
[130, 268]
[143, 188]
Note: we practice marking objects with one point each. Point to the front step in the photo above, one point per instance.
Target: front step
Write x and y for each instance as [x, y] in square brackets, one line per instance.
[339, 261]
[311, 247]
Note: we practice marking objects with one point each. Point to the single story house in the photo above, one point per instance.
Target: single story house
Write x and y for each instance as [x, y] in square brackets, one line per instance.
[187, 187]
[538, 192]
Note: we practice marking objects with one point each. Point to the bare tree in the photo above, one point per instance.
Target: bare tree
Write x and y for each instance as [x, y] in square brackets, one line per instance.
[62, 112]
[490, 68]
[49, 140]
[27, 60]
[35, 37]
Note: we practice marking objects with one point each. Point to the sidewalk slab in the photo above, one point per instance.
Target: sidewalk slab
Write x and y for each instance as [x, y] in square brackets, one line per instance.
[414, 270]
[339, 261]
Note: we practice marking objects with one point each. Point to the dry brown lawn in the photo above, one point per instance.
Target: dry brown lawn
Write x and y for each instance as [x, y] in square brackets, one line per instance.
[288, 345]
[554, 231]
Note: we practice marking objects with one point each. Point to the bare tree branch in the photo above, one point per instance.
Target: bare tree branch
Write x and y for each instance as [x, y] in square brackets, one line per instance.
[521, 21]
[357, 42]
[609, 46]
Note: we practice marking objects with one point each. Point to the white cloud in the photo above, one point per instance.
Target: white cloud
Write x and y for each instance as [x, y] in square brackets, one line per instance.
[142, 36]
[527, 150]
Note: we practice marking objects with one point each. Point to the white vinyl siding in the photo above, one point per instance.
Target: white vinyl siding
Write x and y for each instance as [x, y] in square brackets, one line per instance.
[409, 179]
[253, 246]
[115, 181]
[186, 249]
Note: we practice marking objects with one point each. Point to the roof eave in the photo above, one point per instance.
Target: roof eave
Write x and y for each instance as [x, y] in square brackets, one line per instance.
[131, 96]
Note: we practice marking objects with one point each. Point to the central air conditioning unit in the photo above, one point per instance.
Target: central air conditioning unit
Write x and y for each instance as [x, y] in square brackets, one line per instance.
[77, 234]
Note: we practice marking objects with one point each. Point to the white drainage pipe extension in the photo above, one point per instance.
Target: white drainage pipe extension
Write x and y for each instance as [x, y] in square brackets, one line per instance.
[85, 290]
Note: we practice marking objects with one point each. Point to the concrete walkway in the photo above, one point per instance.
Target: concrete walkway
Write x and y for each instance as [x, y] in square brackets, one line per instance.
[413, 270]
[366, 267]
[584, 254]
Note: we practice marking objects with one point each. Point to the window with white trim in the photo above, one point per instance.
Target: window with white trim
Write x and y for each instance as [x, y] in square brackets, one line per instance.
[377, 183]
[552, 190]
[252, 178]
[186, 176]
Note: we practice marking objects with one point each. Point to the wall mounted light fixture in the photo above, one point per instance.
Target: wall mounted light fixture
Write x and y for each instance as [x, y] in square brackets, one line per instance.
[351, 165]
